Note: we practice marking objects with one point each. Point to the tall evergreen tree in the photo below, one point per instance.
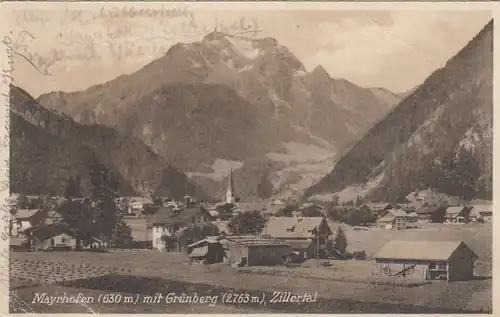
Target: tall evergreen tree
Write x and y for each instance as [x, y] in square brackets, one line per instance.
[340, 241]
[359, 201]
[248, 222]
[265, 187]
[72, 188]
[79, 217]
[107, 221]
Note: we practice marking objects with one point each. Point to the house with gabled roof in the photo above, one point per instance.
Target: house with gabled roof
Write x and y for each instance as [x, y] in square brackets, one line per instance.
[208, 250]
[434, 213]
[426, 260]
[28, 218]
[53, 236]
[457, 214]
[310, 208]
[377, 208]
[408, 207]
[167, 222]
[25, 219]
[394, 219]
[139, 204]
[307, 235]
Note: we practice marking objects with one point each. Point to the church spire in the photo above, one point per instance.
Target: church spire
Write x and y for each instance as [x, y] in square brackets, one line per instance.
[230, 195]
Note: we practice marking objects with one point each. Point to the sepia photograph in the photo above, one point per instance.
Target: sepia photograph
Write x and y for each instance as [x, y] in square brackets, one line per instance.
[242, 158]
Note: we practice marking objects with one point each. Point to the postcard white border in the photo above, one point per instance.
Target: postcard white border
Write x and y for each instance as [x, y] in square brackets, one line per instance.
[5, 7]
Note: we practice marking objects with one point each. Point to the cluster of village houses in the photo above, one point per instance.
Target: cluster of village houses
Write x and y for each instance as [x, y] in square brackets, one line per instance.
[284, 239]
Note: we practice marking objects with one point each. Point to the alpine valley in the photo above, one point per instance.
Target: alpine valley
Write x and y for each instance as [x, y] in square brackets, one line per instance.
[440, 136]
[228, 102]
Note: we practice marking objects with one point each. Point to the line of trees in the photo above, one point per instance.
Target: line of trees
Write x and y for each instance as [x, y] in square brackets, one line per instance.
[98, 216]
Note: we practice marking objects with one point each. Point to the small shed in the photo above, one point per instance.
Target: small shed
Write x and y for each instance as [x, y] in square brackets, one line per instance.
[457, 214]
[97, 244]
[208, 251]
[304, 249]
[426, 260]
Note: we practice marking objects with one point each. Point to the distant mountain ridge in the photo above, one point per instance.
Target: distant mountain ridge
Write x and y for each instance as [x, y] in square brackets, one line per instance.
[230, 98]
[439, 136]
[58, 148]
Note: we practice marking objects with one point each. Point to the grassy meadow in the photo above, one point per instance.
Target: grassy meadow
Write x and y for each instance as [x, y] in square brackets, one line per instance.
[338, 290]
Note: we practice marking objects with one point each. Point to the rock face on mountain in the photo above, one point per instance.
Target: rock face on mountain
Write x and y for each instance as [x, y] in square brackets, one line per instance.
[48, 148]
[229, 98]
[440, 136]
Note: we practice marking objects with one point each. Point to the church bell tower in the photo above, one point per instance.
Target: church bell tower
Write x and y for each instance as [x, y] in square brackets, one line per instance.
[230, 194]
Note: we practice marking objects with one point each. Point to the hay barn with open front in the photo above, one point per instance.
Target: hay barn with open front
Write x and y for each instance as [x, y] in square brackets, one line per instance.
[426, 260]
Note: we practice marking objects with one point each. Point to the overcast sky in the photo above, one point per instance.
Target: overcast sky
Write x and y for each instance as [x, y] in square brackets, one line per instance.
[396, 50]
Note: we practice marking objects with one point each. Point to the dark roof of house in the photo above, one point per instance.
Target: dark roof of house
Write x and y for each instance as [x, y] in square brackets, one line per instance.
[256, 241]
[50, 231]
[202, 244]
[26, 213]
[406, 206]
[396, 213]
[421, 250]
[378, 206]
[167, 216]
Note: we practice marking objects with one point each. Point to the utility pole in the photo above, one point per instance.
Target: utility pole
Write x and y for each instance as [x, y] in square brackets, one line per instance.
[317, 246]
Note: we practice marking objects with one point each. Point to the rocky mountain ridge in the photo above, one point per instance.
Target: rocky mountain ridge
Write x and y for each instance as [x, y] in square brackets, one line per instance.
[439, 136]
[229, 101]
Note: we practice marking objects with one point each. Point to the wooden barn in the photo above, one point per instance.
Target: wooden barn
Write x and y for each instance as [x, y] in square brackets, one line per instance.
[251, 250]
[207, 251]
[426, 260]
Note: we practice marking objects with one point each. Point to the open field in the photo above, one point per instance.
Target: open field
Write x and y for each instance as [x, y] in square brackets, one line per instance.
[341, 271]
[479, 237]
[150, 271]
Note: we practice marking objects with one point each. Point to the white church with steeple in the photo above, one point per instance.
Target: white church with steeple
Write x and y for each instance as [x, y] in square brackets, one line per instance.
[230, 194]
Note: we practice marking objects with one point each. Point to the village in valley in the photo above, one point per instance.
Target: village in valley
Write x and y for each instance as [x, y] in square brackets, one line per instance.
[261, 171]
[373, 241]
